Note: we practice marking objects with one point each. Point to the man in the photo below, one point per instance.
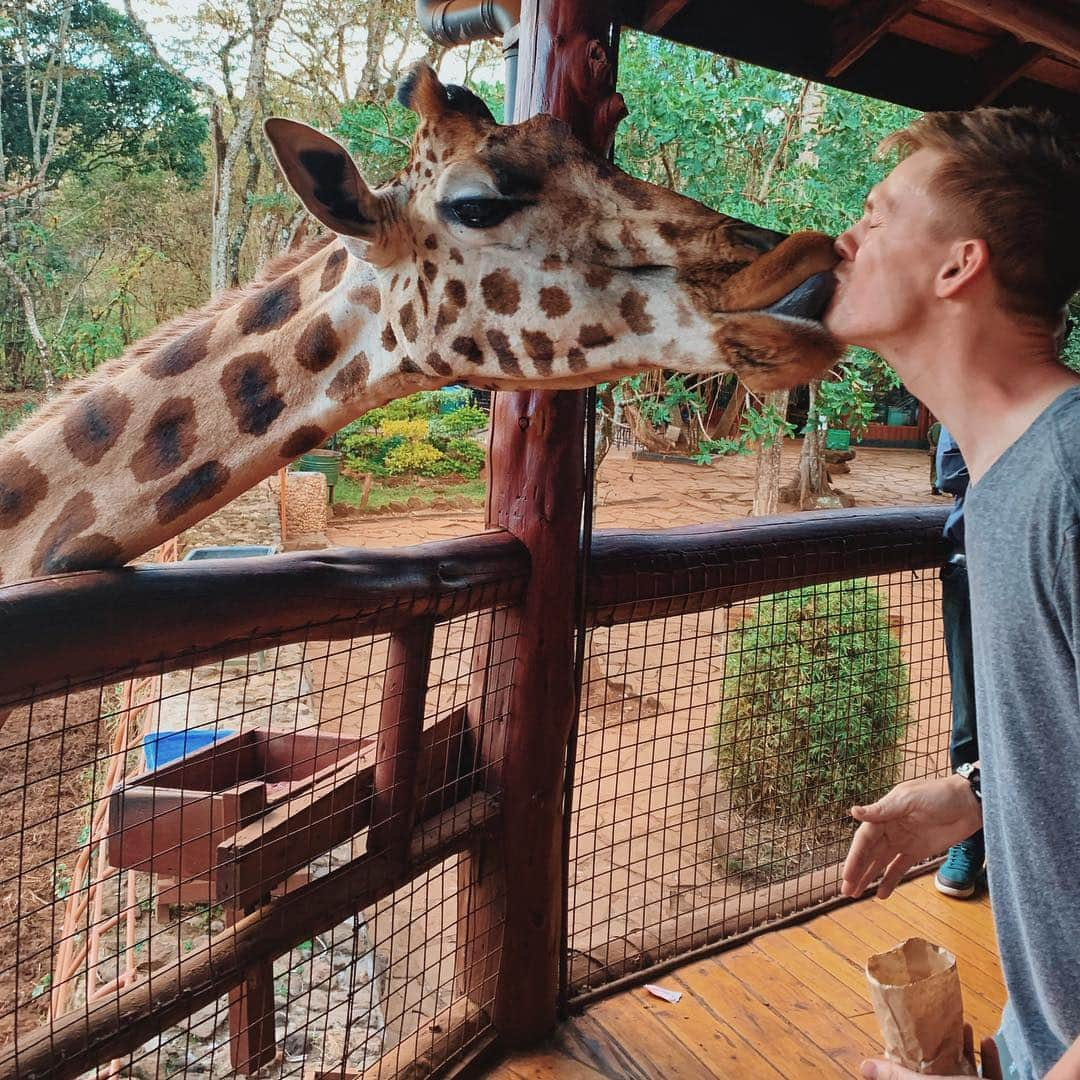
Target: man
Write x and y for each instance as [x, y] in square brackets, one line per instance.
[958, 876]
[958, 273]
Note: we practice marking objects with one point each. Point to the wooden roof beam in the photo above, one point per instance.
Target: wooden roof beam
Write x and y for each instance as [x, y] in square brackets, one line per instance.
[1029, 22]
[859, 27]
[658, 13]
[1005, 61]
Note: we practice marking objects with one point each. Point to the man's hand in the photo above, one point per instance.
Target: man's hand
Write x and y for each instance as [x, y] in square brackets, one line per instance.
[879, 1069]
[917, 819]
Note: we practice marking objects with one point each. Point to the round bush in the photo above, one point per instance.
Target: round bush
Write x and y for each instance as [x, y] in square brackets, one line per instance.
[815, 704]
[415, 457]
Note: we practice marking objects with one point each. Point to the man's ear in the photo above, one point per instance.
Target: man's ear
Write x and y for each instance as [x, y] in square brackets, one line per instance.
[968, 260]
[322, 173]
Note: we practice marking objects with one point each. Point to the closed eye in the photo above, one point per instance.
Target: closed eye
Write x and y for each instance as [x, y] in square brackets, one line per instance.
[481, 213]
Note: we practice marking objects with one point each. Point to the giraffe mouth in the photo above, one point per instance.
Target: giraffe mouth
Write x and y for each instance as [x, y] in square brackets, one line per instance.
[808, 300]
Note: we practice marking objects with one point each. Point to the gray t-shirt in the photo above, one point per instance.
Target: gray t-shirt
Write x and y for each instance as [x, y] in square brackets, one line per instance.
[1023, 550]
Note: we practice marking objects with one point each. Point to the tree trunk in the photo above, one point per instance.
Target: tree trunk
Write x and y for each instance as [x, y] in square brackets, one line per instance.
[728, 424]
[767, 480]
[813, 475]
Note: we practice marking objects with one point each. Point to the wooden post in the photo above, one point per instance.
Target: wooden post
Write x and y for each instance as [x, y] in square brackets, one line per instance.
[252, 1040]
[401, 722]
[535, 492]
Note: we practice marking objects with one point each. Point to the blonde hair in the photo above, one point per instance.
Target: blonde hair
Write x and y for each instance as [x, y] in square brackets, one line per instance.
[1010, 177]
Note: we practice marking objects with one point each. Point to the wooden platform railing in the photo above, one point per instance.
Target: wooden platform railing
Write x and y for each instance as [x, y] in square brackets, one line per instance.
[90, 629]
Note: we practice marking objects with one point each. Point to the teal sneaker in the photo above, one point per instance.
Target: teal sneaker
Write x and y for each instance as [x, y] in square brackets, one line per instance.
[959, 874]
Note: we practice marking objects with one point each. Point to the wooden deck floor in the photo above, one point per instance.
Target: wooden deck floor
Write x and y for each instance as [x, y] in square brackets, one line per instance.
[790, 1003]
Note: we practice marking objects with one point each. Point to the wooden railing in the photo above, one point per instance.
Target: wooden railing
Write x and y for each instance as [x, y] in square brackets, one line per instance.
[89, 629]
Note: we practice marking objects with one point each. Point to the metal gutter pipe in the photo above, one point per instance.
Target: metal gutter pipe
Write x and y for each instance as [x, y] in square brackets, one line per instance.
[457, 22]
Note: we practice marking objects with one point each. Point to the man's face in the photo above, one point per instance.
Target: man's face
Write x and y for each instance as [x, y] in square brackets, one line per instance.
[890, 257]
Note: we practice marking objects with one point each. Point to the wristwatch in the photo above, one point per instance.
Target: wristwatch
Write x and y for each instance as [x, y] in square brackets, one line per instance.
[970, 772]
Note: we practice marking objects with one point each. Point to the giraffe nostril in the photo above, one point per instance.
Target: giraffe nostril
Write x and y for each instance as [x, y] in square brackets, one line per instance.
[761, 240]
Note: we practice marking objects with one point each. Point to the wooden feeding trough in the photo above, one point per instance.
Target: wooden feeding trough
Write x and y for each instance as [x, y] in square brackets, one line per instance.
[231, 823]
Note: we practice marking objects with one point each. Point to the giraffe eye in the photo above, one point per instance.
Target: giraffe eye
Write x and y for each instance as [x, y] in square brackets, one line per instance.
[477, 213]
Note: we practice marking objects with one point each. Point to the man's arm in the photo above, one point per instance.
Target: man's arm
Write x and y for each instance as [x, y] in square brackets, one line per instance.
[915, 820]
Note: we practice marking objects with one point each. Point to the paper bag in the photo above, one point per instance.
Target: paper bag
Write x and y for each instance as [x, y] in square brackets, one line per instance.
[915, 989]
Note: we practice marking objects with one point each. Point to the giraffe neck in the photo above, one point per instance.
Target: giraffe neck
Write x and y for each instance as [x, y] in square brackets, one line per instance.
[173, 430]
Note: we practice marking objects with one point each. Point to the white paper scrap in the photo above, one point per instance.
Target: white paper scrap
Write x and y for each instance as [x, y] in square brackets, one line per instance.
[673, 996]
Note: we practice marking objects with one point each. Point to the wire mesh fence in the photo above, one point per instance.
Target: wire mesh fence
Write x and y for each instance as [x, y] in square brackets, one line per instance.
[719, 750]
[254, 863]
[143, 820]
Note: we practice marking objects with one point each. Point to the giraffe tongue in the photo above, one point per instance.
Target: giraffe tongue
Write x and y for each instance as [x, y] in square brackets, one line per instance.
[809, 300]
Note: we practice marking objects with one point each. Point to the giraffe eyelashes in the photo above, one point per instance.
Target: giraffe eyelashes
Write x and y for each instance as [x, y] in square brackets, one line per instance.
[476, 213]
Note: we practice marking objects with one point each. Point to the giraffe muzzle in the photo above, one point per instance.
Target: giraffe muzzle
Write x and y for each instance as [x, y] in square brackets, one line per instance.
[808, 300]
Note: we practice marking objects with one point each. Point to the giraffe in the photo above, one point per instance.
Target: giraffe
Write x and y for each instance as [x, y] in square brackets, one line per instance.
[500, 257]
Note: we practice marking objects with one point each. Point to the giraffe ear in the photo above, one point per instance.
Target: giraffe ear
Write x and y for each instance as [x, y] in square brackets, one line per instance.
[324, 176]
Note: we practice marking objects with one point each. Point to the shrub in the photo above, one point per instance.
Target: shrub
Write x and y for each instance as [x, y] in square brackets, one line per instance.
[815, 704]
[414, 456]
[408, 429]
[464, 421]
[367, 452]
[466, 457]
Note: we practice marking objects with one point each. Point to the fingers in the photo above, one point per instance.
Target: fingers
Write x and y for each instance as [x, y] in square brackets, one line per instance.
[896, 870]
[991, 1060]
[864, 861]
[877, 1069]
[878, 812]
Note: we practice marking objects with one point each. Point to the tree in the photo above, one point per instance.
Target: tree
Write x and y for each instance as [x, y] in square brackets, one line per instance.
[80, 95]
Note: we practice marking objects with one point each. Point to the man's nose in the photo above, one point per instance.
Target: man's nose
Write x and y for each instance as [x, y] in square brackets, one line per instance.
[845, 245]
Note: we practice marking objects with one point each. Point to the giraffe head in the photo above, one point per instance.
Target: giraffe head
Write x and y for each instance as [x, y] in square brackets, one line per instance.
[510, 256]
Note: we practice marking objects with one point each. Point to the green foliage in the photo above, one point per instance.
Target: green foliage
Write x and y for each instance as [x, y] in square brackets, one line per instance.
[11, 418]
[120, 107]
[416, 456]
[815, 704]
[463, 421]
[760, 427]
[466, 457]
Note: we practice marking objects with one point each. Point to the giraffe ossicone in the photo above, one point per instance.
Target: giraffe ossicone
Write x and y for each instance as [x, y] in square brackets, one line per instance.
[500, 257]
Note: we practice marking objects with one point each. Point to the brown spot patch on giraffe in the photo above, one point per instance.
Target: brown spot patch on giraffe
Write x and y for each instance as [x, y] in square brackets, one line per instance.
[431, 242]
[198, 486]
[592, 336]
[168, 442]
[334, 269]
[388, 338]
[410, 367]
[407, 316]
[576, 359]
[271, 308]
[541, 349]
[551, 262]
[251, 392]
[599, 277]
[554, 301]
[394, 281]
[638, 196]
[22, 487]
[467, 347]
[669, 231]
[64, 547]
[430, 155]
[456, 256]
[367, 295]
[632, 309]
[97, 421]
[427, 174]
[319, 344]
[421, 288]
[447, 316]
[455, 292]
[351, 380]
[430, 270]
[438, 364]
[301, 441]
[180, 355]
[501, 292]
[629, 240]
[508, 361]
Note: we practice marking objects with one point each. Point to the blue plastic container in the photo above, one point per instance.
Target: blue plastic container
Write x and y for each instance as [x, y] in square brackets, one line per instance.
[162, 747]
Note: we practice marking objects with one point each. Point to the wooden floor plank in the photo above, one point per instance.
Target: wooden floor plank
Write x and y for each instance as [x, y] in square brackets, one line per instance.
[791, 1002]
[779, 1039]
[843, 969]
[804, 1009]
[840, 996]
[720, 1049]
